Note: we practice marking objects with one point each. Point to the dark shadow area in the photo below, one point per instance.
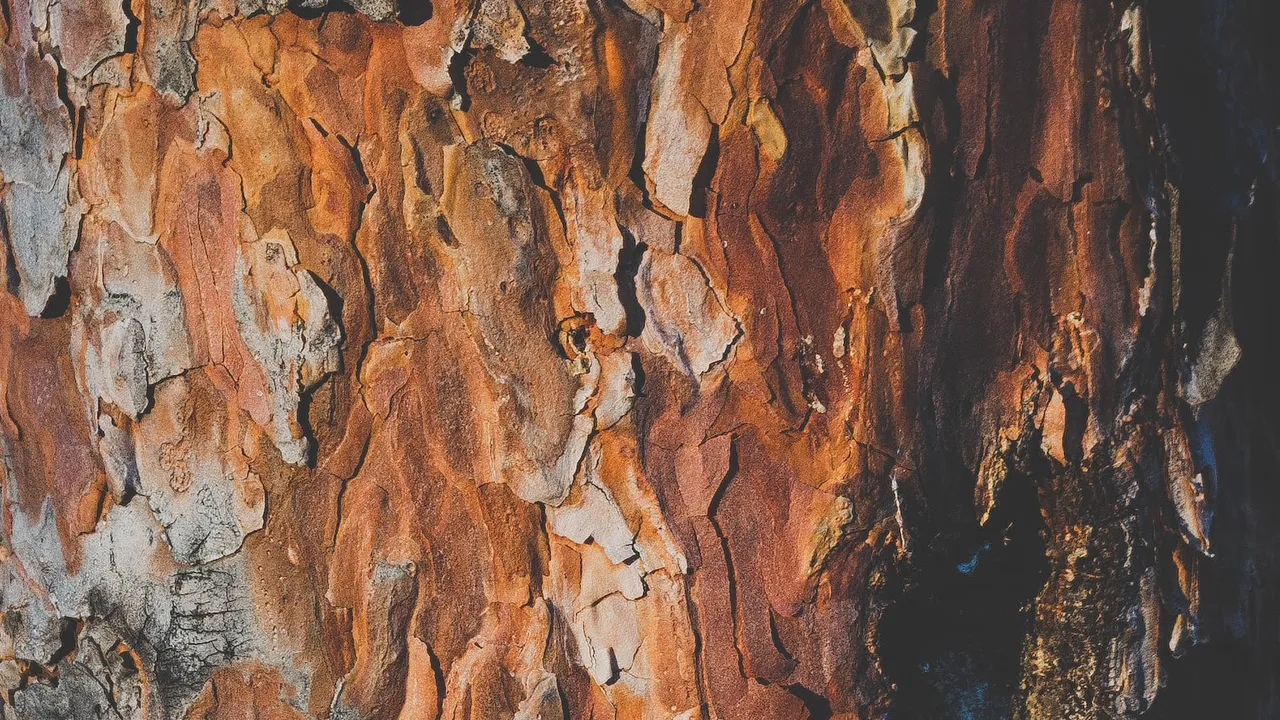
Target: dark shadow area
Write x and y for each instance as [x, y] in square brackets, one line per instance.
[706, 172]
[12, 280]
[953, 644]
[818, 707]
[59, 301]
[628, 265]
[458, 74]
[537, 56]
[1215, 62]
[415, 12]
[1216, 680]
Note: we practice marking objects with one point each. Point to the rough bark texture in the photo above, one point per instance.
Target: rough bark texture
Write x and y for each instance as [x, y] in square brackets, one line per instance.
[639, 359]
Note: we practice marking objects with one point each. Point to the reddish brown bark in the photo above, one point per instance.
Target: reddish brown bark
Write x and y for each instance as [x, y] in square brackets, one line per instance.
[643, 359]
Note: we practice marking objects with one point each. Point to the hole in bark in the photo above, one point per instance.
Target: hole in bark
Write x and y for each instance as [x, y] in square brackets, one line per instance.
[130, 28]
[537, 56]
[126, 658]
[637, 385]
[415, 12]
[69, 637]
[446, 232]
[438, 672]
[59, 301]
[628, 265]
[78, 150]
[637, 167]
[819, 708]
[953, 644]
[12, 281]
[457, 74]
[702, 178]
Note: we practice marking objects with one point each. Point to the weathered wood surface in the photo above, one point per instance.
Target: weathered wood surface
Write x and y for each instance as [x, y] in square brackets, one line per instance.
[639, 359]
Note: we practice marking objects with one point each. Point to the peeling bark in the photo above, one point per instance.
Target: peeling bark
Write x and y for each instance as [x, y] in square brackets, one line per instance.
[639, 359]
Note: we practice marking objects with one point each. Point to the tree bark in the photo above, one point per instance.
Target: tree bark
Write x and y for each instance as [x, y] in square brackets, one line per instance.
[722, 359]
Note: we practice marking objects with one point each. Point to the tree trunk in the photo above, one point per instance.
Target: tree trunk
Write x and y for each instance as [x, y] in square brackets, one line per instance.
[639, 359]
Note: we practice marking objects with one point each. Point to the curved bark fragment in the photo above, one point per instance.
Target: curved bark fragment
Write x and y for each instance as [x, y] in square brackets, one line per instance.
[638, 359]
